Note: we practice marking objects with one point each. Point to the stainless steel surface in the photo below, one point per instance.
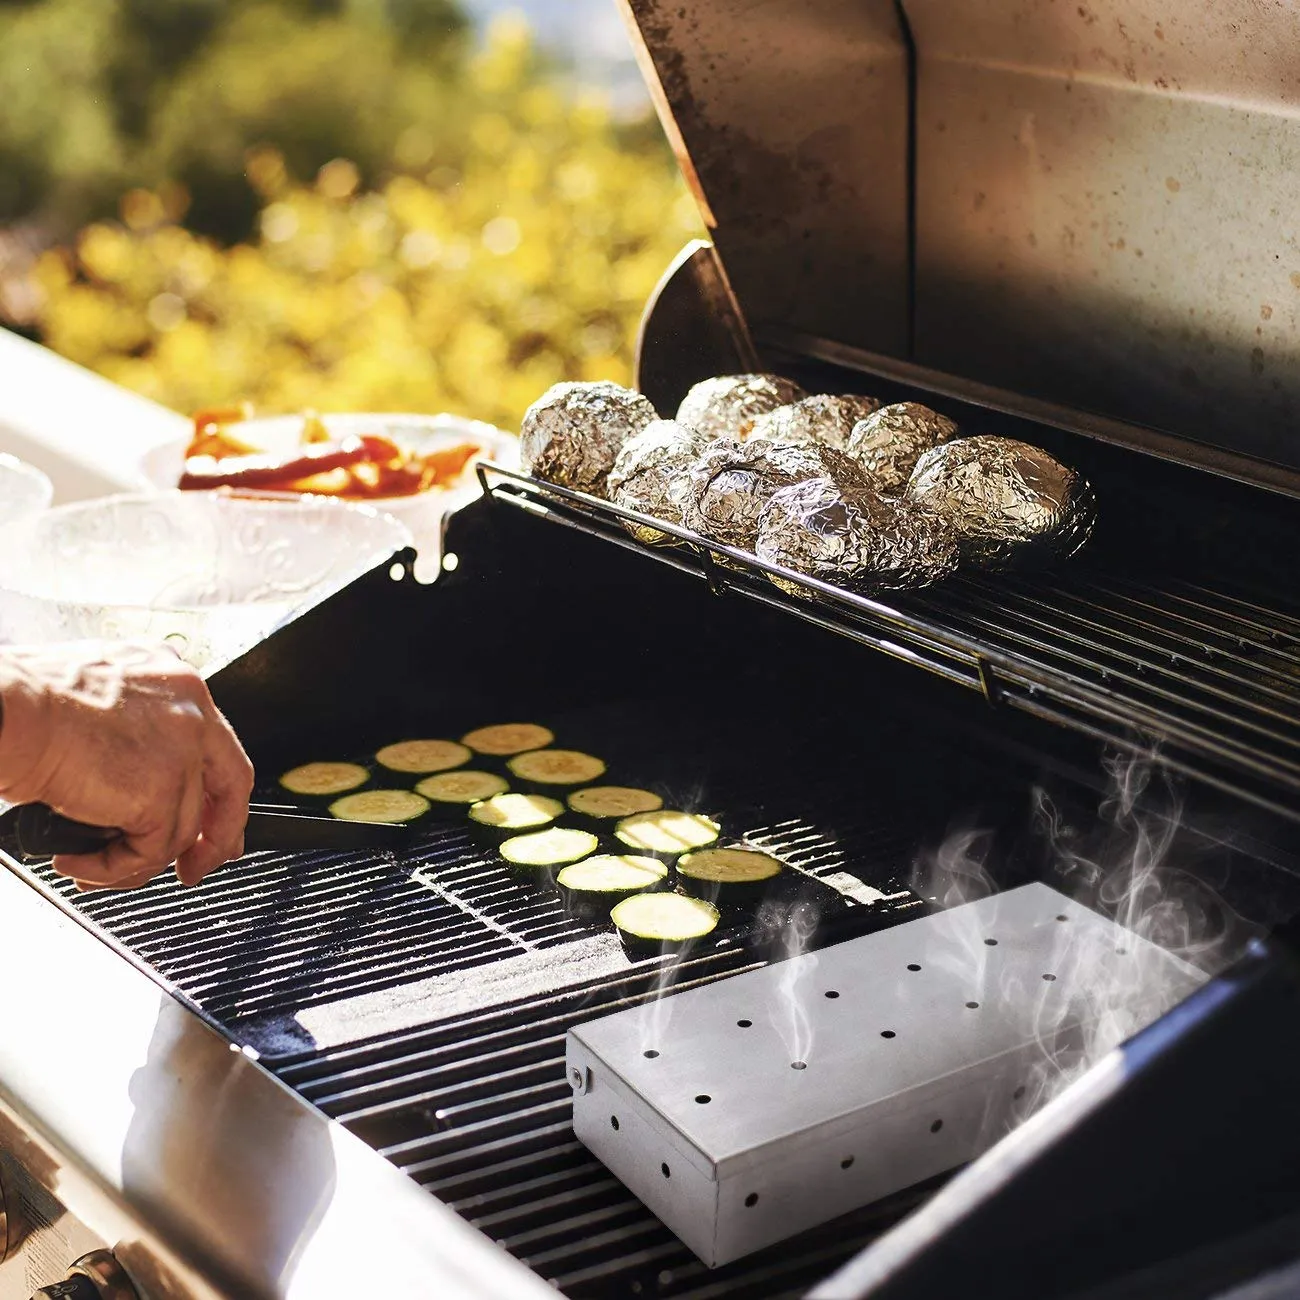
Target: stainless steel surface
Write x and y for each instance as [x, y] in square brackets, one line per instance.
[691, 328]
[746, 1111]
[205, 1175]
[790, 118]
[110, 1281]
[1105, 206]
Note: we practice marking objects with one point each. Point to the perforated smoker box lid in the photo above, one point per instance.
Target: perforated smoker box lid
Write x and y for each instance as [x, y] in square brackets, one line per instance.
[904, 1053]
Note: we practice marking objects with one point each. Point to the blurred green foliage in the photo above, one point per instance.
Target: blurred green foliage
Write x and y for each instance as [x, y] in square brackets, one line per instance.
[326, 220]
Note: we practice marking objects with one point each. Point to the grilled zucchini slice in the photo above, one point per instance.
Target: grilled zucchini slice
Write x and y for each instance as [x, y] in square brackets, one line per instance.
[511, 813]
[590, 888]
[610, 802]
[550, 848]
[650, 925]
[556, 767]
[323, 779]
[508, 738]
[727, 874]
[462, 787]
[423, 755]
[666, 832]
[380, 806]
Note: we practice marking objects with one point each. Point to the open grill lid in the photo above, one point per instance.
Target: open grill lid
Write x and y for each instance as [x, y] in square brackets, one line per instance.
[1085, 205]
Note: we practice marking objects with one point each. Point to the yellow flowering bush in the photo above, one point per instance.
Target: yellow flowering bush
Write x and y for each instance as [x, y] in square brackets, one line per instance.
[468, 281]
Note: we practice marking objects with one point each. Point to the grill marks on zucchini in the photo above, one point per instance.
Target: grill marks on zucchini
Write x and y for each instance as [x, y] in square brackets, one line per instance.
[508, 738]
[462, 787]
[380, 806]
[549, 848]
[324, 778]
[610, 802]
[423, 755]
[667, 831]
[557, 767]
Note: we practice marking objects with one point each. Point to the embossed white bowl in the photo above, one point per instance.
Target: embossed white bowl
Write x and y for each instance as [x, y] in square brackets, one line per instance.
[24, 490]
[212, 574]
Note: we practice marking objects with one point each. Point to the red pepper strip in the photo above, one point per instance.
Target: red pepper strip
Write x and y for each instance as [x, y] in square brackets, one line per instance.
[267, 471]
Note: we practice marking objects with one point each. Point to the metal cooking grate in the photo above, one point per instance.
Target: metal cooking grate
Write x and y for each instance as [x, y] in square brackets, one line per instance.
[1215, 673]
[272, 935]
[478, 1111]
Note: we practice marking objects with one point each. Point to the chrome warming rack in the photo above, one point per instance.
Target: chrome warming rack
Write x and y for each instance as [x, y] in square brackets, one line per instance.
[1207, 677]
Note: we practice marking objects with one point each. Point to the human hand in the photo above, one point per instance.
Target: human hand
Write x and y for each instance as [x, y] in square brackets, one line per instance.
[126, 735]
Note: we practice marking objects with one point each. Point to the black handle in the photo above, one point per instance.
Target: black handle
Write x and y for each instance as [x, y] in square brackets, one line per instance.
[41, 833]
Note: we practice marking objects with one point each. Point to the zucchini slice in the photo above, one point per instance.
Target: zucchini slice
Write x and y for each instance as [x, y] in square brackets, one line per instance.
[652, 924]
[515, 812]
[610, 802]
[462, 787]
[590, 888]
[727, 873]
[423, 755]
[380, 806]
[666, 831]
[324, 778]
[549, 848]
[508, 738]
[557, 767]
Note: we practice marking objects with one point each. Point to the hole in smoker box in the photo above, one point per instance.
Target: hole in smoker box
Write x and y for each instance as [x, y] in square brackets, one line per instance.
[613, 1122]
[751, 1200]
[703, 1099]
[847, 1162]
[798, 1065]
[744, 1024]
[971, 1006]
[1019, 1092]
[936, 1126]
[992, 943]
[1049, 978]
[831, 993]
[667, 1173]
[913, 966]
[1123, 952]
[1062, 917]
[888, 1033]
[650, 1054]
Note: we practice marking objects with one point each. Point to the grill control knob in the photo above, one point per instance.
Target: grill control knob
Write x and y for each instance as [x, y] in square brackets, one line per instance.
[97, 1276]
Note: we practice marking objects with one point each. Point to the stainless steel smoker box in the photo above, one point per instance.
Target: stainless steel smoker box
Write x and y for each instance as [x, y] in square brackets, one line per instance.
[745, 1111]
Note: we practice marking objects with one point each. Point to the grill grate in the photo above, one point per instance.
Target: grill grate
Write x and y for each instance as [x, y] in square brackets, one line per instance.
[478, 1111]
[1214, 672]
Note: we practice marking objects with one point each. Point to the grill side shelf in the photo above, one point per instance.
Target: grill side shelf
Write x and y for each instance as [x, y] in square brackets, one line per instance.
[1201, 675]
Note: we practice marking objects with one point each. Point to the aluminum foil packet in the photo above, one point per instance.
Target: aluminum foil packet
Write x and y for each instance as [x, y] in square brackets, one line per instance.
[732, 481]
[822, 418]
[652, 474]
[728, 405]
[853, 537]
[1010, 504]
[889, 442]
[572, 434]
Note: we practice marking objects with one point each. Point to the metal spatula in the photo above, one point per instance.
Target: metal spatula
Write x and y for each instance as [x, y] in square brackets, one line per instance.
[35, 830]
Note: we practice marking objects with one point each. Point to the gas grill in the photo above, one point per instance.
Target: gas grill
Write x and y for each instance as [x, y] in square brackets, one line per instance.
[213, 1136]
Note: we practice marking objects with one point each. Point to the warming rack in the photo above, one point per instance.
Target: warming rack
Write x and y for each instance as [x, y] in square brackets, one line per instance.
[1207, 679]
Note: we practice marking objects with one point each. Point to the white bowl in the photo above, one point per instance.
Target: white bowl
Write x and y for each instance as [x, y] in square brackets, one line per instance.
[24, 490]
[210, 573]
[422, 513]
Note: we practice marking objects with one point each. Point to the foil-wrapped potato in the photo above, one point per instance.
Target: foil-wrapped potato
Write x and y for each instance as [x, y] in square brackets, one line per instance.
[889, 442]
[852, 537]
[573, 432]
[732, 481]
[652, 474]
[815, 419]
[1009, 503]
[727, 405]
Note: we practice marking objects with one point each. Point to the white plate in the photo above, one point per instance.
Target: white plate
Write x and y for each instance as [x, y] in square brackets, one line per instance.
[422, 513]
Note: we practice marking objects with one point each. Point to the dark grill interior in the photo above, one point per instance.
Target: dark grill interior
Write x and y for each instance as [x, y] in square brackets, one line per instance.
[423, 1002]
